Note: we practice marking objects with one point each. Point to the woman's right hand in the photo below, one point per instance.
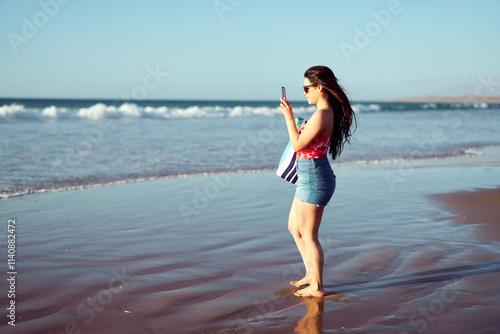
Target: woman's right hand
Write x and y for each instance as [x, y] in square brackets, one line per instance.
[286, 108]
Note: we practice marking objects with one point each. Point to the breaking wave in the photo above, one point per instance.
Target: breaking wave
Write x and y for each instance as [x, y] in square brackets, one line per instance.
[165, 110]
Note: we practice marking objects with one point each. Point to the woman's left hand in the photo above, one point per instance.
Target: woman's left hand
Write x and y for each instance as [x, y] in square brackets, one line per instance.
[286, 108]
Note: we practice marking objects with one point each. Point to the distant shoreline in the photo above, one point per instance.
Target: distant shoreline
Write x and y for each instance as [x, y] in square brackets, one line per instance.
[449, 99]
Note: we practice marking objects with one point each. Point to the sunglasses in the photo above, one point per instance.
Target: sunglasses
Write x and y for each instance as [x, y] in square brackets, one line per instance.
[306, 88]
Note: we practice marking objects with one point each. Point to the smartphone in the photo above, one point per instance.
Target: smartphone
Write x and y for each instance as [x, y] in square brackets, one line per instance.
[283, 92]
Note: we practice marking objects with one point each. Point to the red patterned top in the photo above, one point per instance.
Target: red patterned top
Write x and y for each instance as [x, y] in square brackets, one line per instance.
[318, 149]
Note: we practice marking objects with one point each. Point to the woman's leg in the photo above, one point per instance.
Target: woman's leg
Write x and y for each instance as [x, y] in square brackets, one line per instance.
[293, 227]
[308, 218]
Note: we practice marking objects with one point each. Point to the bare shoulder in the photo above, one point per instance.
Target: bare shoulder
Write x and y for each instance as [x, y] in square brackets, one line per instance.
[325, 116]
[326, 112]
[322, 120]
[322, 113]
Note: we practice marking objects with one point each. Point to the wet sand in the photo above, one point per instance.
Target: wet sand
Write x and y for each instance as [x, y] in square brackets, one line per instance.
[481, 207]
[212, 254]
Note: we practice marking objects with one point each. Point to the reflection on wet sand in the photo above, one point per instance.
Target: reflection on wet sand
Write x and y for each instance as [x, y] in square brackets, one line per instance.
[312, 322]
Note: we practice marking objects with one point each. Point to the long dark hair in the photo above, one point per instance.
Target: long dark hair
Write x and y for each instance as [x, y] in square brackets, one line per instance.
[343, 115]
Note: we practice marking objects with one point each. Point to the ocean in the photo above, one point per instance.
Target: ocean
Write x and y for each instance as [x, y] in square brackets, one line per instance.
[62, 144]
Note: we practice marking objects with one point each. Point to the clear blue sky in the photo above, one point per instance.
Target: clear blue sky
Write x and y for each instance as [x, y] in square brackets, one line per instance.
[245, 49]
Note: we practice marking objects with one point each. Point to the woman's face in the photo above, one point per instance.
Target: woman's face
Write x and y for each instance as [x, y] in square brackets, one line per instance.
[311, 92]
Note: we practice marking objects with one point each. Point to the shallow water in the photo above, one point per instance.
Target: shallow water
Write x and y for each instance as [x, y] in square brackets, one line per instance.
[69, 144]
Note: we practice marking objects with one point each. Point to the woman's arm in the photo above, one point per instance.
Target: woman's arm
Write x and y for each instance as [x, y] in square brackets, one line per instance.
[311, 130]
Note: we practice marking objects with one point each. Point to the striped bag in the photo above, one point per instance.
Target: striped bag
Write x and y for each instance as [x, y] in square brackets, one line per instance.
[287, 168]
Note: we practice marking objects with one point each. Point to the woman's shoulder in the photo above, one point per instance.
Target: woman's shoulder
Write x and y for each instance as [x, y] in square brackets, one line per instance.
[327, 109]
[323, 110]
[324, 113]
[325, 116]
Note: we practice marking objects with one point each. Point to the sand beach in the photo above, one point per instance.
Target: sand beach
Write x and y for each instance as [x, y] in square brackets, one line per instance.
[410, 247]
[138, 155]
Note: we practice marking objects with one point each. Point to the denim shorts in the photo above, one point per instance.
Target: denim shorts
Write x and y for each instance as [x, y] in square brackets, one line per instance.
[316, 182]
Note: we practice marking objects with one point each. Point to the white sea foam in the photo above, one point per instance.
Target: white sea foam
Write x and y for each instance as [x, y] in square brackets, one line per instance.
[130, 110]
[361, 107]
[101, 110]
[17, 111]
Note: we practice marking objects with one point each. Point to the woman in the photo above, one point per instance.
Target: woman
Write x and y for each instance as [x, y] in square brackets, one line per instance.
[328, 129]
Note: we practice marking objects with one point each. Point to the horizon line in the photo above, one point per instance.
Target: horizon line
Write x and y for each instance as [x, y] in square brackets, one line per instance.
[415, 99]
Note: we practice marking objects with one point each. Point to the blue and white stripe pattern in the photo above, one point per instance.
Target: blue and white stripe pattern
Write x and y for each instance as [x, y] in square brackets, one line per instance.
[287, 168]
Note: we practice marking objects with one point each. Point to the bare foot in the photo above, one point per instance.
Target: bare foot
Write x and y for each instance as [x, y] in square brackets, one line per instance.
[310, 291]
[300, 283]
